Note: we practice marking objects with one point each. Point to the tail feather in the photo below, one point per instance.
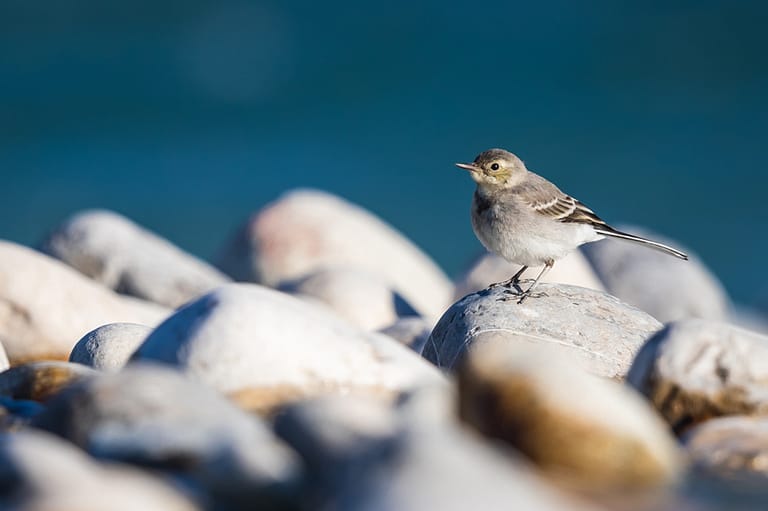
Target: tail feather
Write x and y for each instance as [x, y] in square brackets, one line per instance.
[609, 231]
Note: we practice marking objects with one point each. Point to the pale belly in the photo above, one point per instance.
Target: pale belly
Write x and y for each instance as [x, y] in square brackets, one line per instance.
[532, 242]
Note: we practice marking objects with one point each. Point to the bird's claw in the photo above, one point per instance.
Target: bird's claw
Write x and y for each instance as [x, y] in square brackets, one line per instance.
[519, 295]
[528, 294]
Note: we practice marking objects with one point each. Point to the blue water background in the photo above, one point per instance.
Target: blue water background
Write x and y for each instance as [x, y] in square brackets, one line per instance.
[187, 116]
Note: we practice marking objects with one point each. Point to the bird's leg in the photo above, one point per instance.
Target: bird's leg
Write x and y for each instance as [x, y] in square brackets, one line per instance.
[547, 266]
[514, 281]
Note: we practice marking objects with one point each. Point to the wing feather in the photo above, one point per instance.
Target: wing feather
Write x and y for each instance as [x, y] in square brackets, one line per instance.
[547, 199]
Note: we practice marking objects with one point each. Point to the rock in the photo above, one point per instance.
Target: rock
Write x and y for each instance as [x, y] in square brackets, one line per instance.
[451, 470]
[109, 347]
[368, 455]
[599, 332]
[263, 348]
[46, 306]
[4, 363]
[338, 438]
[17, 413]
[153, 416]
[489, 268]
[696, 369]
[730, 446]
[749, 319]
[42, 473]
[362, 298]
[123, 256]
[306, 230]
[537, 402]
[38, 381]
[665, 287]
[412, 332]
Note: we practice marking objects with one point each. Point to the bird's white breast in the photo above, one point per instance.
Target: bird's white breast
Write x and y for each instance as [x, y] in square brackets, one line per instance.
[524, 236]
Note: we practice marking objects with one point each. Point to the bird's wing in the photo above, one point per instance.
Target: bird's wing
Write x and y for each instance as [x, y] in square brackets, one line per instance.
[547, 199]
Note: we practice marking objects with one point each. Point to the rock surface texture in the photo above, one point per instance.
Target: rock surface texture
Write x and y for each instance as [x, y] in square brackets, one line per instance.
[665, 287]
[571, 424]
[367, 455]
[123, 256]
[109, 347]
[601, 333]
[43, 473]
[306, 230]
[38, 381]
[153, 416]
[730, 445]
[46, 306]
[695, 369]
[263, 348]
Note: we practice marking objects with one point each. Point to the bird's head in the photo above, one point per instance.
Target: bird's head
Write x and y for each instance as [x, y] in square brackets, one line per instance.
[495, 168]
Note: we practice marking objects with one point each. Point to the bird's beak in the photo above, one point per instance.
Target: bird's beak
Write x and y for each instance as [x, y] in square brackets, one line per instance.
[468, 166]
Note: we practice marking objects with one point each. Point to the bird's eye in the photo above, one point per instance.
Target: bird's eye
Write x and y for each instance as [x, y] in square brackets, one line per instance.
[495, 166]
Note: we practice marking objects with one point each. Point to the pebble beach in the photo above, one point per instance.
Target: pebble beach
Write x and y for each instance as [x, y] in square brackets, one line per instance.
[323, 361]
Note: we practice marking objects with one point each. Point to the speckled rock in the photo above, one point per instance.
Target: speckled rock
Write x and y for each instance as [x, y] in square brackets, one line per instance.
[263, 347]
[665, 287]
[599, 332]
[489, 268]
[306, 230]
[367, 455]
[46, 306]
[362, 298]
[696, 369]
[539, 403]
[412, 332]
[109, 347]
[42, 473]
[152, 415]
[38, 381]
[123, 256]
[730, 446]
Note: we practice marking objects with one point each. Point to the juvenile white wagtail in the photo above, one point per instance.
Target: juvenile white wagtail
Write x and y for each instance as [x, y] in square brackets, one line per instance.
[527, 220]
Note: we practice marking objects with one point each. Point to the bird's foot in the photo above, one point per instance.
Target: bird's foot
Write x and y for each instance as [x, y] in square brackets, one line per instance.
[519, 295]
[513, 289]
[511, 283]
[529, 294]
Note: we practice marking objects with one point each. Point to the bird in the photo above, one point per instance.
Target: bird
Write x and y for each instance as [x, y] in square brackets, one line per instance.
[527, 220]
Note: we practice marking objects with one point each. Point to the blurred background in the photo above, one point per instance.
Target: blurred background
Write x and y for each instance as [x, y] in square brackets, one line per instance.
[186, 116]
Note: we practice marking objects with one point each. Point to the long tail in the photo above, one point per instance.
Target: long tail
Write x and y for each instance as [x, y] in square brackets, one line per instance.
[610, 231]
